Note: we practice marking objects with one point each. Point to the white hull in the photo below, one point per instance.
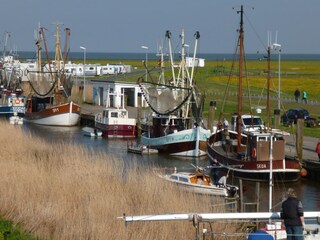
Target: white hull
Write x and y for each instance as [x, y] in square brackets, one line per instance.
[65, 119]
[91, 132]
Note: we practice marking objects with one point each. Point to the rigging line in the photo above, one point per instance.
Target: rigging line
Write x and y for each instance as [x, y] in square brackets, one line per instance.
[247, 80]
[255, 32]
[164, 85]
[42, 95]
[237, 42]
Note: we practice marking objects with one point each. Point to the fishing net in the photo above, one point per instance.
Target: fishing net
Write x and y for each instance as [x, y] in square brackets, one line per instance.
[164, 99]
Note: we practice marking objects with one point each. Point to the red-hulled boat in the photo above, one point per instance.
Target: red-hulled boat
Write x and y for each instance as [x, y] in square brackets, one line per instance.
[254, 155]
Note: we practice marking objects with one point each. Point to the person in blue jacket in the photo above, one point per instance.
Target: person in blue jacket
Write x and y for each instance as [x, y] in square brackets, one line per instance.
[304, 97]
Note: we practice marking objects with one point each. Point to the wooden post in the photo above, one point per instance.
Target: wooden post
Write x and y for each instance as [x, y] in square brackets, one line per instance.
[276, 118]
[299, 137]
[211, 115]
[258, 195]
[241, 194]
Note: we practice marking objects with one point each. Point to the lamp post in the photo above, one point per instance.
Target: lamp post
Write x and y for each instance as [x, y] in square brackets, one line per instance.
[277, 47]
[146, 48]
[84, 72]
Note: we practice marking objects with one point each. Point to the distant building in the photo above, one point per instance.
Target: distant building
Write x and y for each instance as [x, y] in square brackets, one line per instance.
[101, 88]
[198, 62]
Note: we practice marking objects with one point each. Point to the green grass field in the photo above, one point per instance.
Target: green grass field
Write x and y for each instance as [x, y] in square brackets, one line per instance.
[212, 80]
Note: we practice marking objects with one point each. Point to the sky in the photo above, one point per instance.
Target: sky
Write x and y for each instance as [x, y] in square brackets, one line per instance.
[126, 25]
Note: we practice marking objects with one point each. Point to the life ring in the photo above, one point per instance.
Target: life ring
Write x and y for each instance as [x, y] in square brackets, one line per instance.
[17, 101]
[254, 153]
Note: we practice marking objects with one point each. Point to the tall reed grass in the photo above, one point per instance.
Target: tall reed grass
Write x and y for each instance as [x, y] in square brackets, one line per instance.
[63, 191]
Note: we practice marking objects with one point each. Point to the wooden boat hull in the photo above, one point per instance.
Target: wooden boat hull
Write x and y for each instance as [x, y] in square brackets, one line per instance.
[67, 114]
[284, 170]
[182, 143]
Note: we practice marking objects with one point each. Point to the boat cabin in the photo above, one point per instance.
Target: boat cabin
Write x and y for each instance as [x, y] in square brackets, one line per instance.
[248, 123]
[165, 125]
[260, 144]
[115, 113]
[194, 178]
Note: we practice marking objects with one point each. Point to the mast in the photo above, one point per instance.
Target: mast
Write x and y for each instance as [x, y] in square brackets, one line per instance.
[268, 84]
[241, 46]
[58, 56]
[168, 35]
[38, 43]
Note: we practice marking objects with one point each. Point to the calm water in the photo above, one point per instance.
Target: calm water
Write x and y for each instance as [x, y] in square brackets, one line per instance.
[308, 191]
[153, 56]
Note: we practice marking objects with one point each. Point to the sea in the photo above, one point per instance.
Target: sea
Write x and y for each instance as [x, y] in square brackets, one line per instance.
[24, 55]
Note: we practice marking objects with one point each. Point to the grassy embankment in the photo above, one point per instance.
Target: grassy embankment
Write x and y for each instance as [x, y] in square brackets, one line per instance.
[213, 78]
[62, 191]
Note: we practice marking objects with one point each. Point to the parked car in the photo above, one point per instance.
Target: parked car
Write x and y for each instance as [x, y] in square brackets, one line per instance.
[292, 115]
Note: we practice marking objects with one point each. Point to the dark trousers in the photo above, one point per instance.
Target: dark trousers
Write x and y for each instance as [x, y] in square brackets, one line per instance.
[294, 232]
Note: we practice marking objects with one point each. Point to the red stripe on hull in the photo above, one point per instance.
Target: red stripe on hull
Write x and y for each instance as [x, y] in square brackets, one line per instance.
[125, 131]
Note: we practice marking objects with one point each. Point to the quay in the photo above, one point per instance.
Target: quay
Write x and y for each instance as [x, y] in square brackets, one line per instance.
[88, 112]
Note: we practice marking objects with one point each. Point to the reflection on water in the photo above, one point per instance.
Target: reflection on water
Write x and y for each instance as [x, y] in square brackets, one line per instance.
[307, 190]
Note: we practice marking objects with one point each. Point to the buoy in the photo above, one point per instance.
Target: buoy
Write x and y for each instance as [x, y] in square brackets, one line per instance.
[303, 172]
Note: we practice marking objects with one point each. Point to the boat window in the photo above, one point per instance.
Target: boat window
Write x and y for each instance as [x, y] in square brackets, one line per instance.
[252, 121]
[163, 121]
[114, 114]
[183, 179]
[174, 177]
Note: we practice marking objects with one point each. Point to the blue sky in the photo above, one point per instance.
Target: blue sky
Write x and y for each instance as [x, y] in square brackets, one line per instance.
[126, 25]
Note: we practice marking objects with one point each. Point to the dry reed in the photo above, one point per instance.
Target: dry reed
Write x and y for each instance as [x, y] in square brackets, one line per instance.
[62, 191]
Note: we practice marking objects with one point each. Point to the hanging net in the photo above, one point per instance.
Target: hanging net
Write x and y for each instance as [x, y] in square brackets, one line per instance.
[164, 99]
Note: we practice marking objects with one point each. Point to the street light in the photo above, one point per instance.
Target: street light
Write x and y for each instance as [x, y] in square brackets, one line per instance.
[146, 48]
[277, 47]
[84, 72]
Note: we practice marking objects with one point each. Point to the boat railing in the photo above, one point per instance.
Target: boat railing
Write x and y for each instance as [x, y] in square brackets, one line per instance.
[248, 222]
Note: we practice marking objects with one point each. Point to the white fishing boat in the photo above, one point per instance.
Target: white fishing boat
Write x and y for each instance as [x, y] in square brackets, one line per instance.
[114, 122]
[202, 184]
[91, 132]
[175, 125]
[49, 102]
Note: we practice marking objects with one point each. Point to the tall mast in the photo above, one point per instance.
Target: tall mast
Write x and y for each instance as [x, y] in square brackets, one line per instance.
[241, 46]
[58, 55]
[168, 35]
[268, 91]
[38, 43]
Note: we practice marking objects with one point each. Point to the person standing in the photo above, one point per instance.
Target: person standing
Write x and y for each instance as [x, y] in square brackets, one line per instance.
[225, 123]
[297, 95]
[318, 149]
[292, 214]
[304, 97]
